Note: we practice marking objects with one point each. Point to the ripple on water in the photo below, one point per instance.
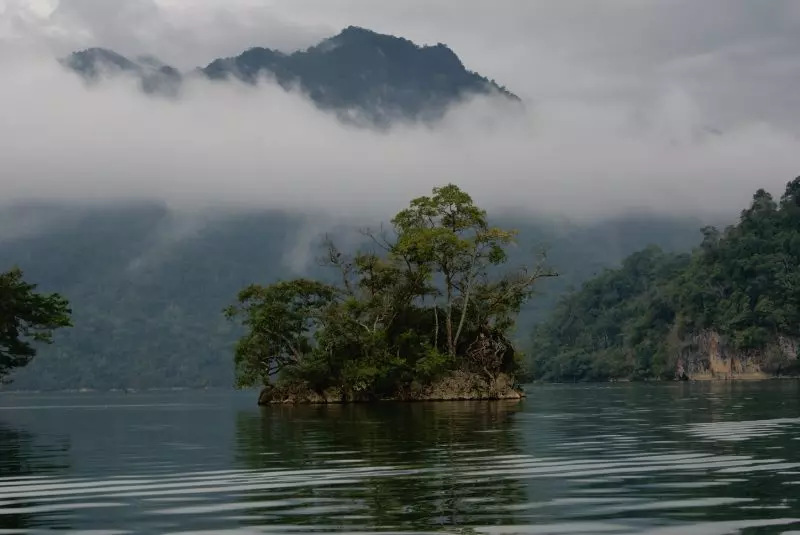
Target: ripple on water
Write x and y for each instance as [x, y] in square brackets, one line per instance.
[735, 431]
[563, 468]
[210, 494]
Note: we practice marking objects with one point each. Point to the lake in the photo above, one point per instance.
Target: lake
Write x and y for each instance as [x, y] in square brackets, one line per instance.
[667, 459]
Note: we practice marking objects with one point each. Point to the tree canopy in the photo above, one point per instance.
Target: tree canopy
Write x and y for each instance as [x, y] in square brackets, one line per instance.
[633, 322]
[26, 318]
[428, 299]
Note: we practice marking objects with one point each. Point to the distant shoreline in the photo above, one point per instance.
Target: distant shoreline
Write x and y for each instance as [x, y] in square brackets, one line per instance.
[703, 378]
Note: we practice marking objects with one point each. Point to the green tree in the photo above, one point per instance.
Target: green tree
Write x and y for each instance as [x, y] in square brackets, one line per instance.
[26, 317]
[279, 319]
[448, 235]
[430, 300]
[743, 284]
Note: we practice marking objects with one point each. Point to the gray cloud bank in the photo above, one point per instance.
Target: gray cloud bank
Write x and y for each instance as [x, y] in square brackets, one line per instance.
[632, 105]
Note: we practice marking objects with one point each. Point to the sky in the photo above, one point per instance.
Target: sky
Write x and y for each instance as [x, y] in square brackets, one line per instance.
[674, 107]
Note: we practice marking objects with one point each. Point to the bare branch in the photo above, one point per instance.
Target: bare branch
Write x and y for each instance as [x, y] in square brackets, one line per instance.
[335, 258]
[381, 240]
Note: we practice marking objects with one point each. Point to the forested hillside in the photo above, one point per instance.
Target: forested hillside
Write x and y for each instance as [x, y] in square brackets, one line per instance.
[147, 286]
[731, 307]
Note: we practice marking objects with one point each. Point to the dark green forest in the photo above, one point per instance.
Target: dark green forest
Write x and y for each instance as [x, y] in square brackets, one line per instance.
[632, 322]
[147, 285]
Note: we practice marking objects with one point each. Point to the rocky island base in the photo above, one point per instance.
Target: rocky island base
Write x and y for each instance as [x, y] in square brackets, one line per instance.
[458, 386]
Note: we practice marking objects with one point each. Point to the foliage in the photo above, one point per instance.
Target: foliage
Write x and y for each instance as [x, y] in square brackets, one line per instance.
[279, 319]
[146, 284]
[26, 317]
[429, 303]
[743, 283]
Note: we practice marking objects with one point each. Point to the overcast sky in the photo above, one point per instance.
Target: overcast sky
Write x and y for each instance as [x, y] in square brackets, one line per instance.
[625, 97]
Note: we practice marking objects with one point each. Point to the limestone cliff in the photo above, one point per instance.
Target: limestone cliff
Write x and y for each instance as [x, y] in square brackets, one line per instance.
[707, 355]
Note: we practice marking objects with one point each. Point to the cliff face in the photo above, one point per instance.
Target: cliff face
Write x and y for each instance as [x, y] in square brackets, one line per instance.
[707, 355]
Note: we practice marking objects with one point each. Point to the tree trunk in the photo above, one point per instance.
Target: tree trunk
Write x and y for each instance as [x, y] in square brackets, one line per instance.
[451, 346]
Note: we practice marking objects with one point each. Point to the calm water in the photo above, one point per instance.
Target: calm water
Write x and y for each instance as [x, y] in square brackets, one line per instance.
[701, 459]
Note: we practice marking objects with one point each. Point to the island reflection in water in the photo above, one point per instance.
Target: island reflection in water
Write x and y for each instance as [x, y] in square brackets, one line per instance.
[680, 458]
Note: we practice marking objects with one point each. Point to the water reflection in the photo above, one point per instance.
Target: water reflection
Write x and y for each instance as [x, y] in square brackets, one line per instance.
[677, 459]
[26, 459]
[407, 463]
[686, 458]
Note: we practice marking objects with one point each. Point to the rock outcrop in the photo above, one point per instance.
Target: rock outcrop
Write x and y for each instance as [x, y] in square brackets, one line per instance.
[458, 386]
[707, 355]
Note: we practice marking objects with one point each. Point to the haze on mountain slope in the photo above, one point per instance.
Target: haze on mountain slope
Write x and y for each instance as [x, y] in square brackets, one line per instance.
[368, 78]
[150, 212]
[606, 127]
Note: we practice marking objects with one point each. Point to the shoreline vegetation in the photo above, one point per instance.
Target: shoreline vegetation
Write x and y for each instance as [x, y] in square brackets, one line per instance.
[427, 312]
[730, 309]
[424, 314]
[27, 318]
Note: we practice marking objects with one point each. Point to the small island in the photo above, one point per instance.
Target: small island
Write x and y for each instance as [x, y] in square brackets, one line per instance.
[424, 314]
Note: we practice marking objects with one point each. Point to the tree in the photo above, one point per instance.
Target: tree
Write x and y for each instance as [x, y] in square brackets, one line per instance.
[26, 318]
[448, 235]
[279, 318]
[742, 285]
[430, 300]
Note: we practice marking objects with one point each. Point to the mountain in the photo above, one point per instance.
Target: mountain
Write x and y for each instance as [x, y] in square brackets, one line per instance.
[148, 285]
[357, 74]
[382, 75]
[155, 77]
[729, 309]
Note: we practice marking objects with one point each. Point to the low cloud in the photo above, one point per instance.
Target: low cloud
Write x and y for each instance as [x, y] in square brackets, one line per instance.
[598, 144]
[184, 34]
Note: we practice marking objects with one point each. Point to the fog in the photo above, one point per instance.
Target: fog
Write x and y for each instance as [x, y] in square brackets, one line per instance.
[655, 127]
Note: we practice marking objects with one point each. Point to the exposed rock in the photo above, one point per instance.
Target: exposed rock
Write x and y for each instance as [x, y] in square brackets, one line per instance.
[707, 355]
[458, 386]
[470, 386]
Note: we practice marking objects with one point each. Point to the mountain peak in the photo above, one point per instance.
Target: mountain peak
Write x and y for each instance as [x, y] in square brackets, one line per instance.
[357, 31]
[378, 76]
[404, 49]
[381, 76]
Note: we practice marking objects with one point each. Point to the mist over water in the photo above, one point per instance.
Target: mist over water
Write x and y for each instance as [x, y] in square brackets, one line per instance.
[676, 459]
